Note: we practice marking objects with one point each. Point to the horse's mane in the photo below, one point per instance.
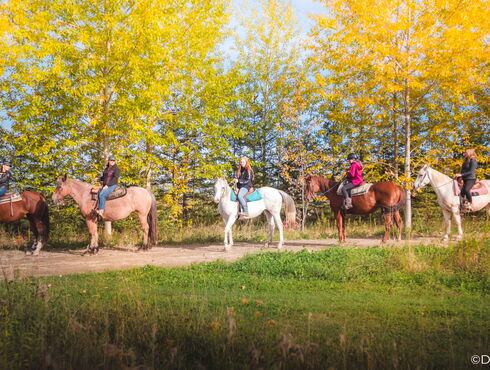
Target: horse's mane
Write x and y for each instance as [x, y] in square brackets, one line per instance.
[323, 181]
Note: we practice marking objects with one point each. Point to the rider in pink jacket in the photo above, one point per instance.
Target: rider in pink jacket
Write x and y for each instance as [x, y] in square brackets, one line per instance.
[354, 178]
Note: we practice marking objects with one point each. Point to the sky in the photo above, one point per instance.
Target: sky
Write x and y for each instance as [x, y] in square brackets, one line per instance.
[305, 7]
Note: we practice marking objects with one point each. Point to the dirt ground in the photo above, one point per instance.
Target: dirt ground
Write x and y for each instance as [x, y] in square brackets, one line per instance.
[14, 263]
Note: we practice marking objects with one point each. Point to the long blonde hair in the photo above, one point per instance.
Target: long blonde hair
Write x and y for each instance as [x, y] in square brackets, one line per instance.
[248, 167]
[469, 153]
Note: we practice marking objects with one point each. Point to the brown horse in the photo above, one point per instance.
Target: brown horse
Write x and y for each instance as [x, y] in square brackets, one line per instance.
[35, 207]
[137, 200]
[385, 195]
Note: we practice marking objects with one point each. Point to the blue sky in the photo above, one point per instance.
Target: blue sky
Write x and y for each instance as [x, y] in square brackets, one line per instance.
[305, 7]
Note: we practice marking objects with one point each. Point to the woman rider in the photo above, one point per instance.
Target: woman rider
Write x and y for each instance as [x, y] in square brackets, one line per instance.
[109, 180]
[244, 179]
[468, 174]
[5, 177]
[354, 178]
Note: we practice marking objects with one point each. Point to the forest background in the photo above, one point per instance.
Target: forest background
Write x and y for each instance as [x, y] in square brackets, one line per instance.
[179, 90]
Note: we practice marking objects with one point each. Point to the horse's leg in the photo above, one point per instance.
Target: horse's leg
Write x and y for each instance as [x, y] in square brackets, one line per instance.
[278, 221]
[340, 226]
[228, 234]
[399, 223]
[40, 231]
[388, 218]
[271, 224]
[32, 225]
[93, 246]
[457, 219]
[146, 228]
[447, 224]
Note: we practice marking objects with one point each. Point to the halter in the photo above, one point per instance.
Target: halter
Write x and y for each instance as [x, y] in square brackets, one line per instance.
[430, 180]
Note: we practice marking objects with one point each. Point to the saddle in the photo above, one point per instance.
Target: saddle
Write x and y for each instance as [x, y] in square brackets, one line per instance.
[119, 192]
[10, 197]
[478, 189]
[361, 189]
[252, 196]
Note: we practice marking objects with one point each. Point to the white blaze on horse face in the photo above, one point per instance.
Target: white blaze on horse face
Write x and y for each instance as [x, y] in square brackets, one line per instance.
[218, 190]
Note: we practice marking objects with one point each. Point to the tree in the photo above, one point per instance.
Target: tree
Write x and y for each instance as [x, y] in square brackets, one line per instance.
[396, 64]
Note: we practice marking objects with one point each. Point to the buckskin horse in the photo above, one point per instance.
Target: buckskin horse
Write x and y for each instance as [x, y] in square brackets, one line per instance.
[448, 196]
[270, 204]
[137, 199]
[386, 195]
[34, 206]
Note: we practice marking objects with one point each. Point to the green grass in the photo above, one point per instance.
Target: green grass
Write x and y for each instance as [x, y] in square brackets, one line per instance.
[379, 307]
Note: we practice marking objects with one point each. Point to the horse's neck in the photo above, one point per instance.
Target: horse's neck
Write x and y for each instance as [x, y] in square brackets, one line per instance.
[440, 182]
[226, 194]
[325, 186]
[80, 192]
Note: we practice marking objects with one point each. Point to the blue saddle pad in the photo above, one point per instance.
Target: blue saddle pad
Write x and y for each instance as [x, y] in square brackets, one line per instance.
[250, 198]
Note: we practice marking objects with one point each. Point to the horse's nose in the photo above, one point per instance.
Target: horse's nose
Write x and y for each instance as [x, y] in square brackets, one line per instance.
[216, 200]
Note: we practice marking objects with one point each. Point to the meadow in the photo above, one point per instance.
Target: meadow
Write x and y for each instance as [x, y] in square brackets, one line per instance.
[405, 307]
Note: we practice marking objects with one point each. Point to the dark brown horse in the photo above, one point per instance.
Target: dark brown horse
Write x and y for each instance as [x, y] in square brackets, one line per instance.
[34, 206]
[386, 195]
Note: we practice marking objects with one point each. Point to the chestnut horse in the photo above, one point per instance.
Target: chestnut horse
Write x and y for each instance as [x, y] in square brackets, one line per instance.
[385, 195]
[35, 207]
[137, 200]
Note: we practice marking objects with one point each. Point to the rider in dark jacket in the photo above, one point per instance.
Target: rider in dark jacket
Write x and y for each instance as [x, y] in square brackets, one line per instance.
[468, 175]
[109, 180]
[244, 178]
[5, 177]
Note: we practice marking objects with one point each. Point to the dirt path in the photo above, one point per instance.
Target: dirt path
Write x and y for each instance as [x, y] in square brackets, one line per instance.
[56, 262]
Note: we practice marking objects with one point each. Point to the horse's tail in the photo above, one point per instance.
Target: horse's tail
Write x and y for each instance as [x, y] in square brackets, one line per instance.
[399, 205]
[402, 200]
[45, 218]
[152, 221]
[290, 209]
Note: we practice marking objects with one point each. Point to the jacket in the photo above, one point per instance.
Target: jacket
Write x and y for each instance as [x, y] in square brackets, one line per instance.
[5, 178]
[110, 176]
[355, 173]
[468, 169]
[245, 180]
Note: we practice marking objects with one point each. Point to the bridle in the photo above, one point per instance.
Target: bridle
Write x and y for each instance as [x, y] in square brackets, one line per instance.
[312, 189]
[426, 174]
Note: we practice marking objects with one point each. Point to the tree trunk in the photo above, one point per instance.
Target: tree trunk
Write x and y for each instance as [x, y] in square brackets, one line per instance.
[408, 172]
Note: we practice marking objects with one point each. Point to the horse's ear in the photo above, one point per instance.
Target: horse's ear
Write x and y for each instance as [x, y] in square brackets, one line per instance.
[63, 178]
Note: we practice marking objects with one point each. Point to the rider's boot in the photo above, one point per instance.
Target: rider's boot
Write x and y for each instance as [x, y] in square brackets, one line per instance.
[347, 203]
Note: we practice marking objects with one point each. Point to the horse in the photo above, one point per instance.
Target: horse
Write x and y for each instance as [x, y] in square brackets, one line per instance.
[448, 201]
[385, 195]
[35, 207]
[137, 199]
[270, 204]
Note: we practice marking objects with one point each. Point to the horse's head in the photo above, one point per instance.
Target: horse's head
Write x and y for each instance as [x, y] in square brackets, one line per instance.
[61, 191]
[220, 187]
[312, 186]
[422, 178]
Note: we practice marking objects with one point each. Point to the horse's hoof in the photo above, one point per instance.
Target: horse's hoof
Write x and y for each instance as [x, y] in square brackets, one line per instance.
[227, 248]
[280, 247]
[28, 252]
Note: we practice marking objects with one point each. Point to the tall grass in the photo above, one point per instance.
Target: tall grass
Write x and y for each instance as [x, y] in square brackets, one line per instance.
[420, 307]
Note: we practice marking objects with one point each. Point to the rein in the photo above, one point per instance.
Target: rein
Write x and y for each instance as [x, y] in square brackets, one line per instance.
[438, 186]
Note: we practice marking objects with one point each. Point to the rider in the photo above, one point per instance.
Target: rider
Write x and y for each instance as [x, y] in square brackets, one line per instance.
[354, 178]
[109, 180]
[5, 177]
[244, 179]
[468, 175]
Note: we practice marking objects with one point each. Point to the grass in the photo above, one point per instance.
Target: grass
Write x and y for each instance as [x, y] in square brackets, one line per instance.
[407, 307]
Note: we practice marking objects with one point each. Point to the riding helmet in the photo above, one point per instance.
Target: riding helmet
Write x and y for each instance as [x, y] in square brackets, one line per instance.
[111, 158]
[351, 156]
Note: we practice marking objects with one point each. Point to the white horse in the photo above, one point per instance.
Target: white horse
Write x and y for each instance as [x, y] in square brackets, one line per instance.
[448, 201]
[270, 203]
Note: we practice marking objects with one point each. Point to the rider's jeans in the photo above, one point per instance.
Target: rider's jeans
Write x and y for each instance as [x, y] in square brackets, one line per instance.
[241, 198]
[104, 193]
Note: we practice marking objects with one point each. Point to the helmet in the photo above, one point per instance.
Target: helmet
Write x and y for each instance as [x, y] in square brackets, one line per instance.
[351, 156]
[6, 162]
[111, 158]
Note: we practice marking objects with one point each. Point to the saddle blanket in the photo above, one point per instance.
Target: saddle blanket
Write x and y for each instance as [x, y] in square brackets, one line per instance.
[252, 197]
[478, 189]
[119, 192]
[10, 196]
[358, 190]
